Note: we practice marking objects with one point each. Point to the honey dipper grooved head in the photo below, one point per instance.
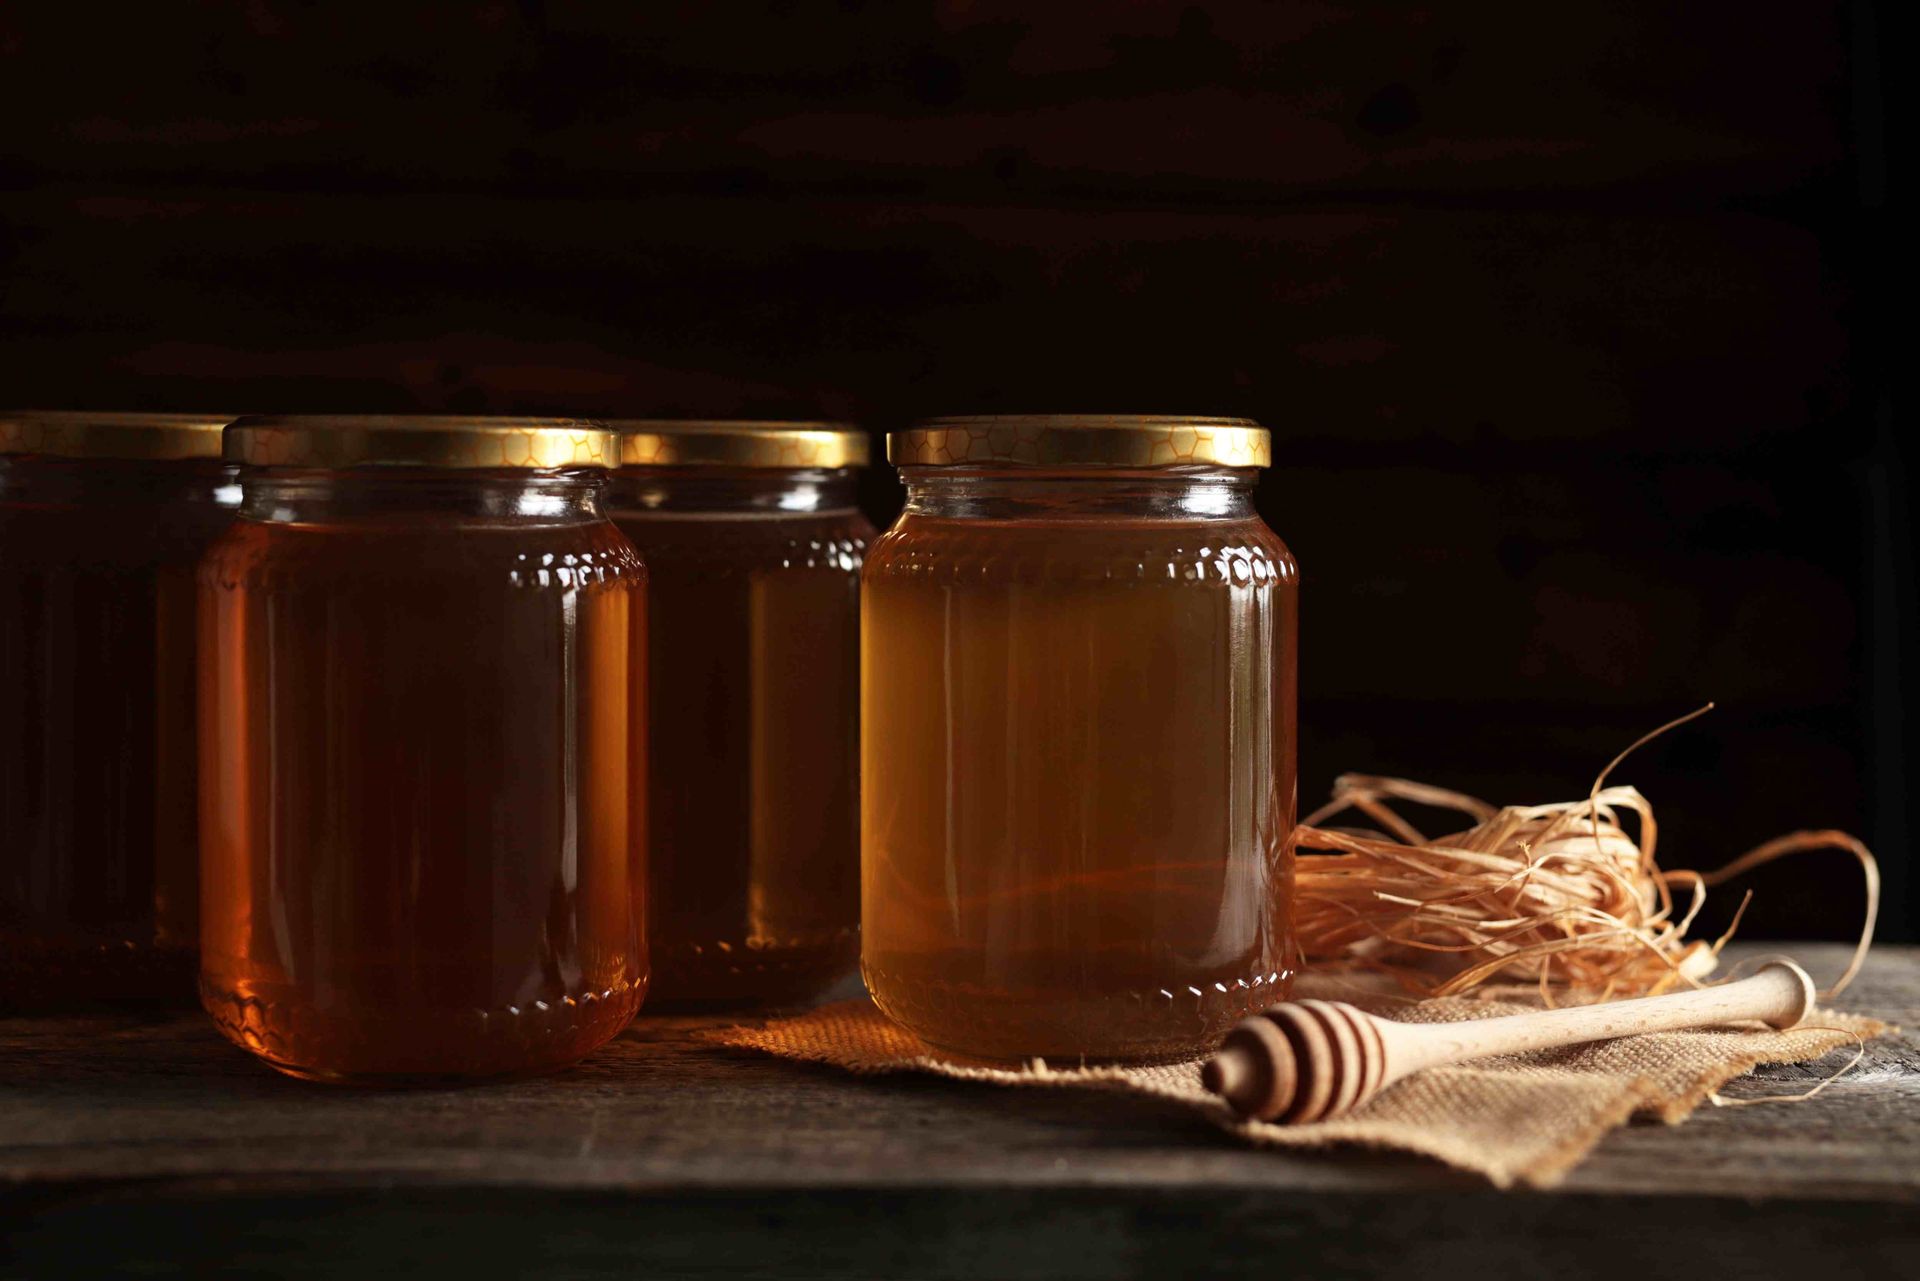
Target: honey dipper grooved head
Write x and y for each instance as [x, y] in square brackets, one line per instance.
[1298, 1062]
[1254, 1070]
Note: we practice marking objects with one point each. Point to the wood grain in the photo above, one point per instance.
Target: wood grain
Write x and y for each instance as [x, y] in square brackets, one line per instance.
[1565, 319]
[1243, 99]
[161, 1095]
[1373, 326]
[124, 1122]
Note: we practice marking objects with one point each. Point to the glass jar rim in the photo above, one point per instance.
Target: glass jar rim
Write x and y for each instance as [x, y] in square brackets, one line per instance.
[740, 442]
[1134, 441]
[434, 441]
[154, 437]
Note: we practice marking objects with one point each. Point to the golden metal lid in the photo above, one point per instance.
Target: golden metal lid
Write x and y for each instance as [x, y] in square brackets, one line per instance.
[66, 434]
[419, 440]
[651, 442]
[1082, 440]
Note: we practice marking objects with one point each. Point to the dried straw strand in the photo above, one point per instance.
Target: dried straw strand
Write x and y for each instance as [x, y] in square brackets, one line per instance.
[1560, 895]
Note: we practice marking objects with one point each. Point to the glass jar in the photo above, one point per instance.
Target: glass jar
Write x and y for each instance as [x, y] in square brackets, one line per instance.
[102, 519]
[753, 544]
[417, 698]
[1078, 738]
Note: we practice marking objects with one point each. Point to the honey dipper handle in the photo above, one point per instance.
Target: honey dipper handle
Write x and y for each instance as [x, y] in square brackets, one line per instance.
[1780, 995]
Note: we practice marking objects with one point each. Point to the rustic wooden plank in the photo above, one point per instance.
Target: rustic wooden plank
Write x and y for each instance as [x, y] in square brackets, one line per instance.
[1238, 100]
[1652, 332]
[160, 1097]
[1550, 472]
[1554, 310]
[998, 1233]
[1109, 1233]
[140, 1141]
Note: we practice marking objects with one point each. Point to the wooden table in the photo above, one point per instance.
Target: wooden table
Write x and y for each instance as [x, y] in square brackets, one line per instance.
[142, 1141]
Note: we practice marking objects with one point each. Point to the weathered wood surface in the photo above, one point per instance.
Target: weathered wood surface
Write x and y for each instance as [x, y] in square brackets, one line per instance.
[144, 1137]
[1564, 315]
[1244, 98]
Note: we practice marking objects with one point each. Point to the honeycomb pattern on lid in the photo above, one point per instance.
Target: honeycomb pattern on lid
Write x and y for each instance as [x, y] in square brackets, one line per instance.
[334, 441]
[1074, 440]
[68, 434]
[739, 443]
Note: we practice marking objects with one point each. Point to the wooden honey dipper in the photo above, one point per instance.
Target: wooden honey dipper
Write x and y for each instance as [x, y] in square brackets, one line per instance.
[1311, 1060]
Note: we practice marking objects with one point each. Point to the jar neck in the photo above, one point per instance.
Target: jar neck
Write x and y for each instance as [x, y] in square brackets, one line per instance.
[638, 491]
[1187, 493]
[300, 496]
[122, 482]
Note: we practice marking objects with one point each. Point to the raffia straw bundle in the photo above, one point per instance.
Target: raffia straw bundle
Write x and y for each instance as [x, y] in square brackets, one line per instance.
[1558, 895]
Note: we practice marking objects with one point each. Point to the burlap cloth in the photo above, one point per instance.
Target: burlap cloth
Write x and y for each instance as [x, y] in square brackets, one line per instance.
[1525, 1118]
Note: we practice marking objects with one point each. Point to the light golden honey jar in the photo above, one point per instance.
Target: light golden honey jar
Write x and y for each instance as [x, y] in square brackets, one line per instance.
[753, 543]
[1078, 738]
[420, 706]
[102, 519]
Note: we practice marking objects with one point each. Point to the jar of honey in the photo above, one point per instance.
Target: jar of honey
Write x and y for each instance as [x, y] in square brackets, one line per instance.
[1078, 655]
[420, 797]
[753, 544]
[102, 519]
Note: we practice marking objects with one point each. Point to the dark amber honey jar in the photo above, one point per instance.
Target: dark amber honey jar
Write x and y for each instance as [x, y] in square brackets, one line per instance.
[102, 519]
[421, 801]
[1078, 656]
[753, 544]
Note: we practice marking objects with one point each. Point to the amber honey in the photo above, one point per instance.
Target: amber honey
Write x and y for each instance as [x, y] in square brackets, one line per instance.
[1078, 682]
[102, 519]
[422, 855]
[753, 548]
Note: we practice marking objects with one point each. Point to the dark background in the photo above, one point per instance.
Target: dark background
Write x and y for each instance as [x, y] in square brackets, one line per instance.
[1570, 319]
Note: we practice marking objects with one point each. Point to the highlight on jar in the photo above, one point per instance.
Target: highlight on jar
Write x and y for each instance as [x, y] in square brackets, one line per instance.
[1078, 656]
[753, 544]
[103, 517]
[421, 686]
